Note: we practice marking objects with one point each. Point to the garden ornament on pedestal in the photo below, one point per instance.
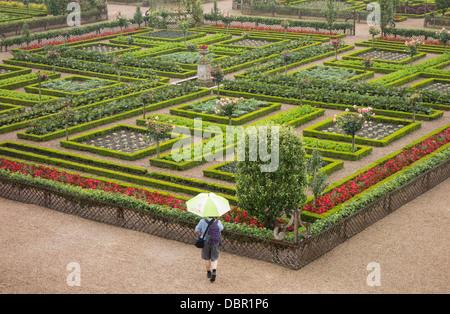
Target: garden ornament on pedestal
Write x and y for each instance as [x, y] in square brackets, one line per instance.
[279, 232]
[204, 68]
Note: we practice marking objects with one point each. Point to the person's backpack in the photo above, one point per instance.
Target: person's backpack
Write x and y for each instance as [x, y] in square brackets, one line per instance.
[214, 236]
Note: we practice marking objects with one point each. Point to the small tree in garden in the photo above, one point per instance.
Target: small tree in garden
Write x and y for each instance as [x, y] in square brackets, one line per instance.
[26, 33]
[374, 31]
[123, 21]
[414, 100]
[41, 78]
[269, 195]
[227, 106]
[331, 14]
[215, 12]
[337, 44]
[367, 63]
[164, 15]
[245, 36]
[286, 57]
[351, 122]
[317, 180]
[191, 48]
[138, 17]
[146, 99]
[53, 56]
[184, 25]
[130, 41]
[285, 25]
[157, 131]
[442, 5]
[443, 36]
[118, 64]
[386, 13]
[412, 47]
[302, 84]
[226, 19]
[67, 115]
[218, 76]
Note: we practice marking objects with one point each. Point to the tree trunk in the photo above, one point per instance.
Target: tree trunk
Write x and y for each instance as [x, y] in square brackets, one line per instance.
[157, 148]
[353, 143]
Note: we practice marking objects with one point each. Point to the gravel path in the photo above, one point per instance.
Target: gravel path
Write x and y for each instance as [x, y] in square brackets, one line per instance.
[115, 260]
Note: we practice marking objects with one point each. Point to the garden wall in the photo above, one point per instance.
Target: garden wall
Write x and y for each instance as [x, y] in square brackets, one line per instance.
[283, 253]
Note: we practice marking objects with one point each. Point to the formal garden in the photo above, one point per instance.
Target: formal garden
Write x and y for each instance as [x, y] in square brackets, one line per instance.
[123, 120]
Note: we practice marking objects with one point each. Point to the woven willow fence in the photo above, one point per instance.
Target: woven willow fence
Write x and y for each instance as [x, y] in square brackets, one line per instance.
[283, 253]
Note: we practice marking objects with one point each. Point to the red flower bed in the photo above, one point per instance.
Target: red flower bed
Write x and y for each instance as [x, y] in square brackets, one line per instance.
[240, 216]
[73, 40]
[86, 183]
[280, 30]
[378, 173]
[234, 216]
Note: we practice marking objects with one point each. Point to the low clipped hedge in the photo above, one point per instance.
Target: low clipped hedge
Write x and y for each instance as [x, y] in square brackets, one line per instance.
[215, 172]
[16, 82]
[56, 93]
[75, 143]
[181, 111]
[103, 121]
[313, 131]
[115, 171]
[312, 217]
[436, 114]
[355, 55]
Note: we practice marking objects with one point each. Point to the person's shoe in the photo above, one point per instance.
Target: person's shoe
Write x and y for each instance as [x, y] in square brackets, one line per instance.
[208, 274]
[213, 276]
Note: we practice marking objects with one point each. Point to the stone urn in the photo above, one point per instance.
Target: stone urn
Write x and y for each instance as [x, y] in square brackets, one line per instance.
[204, 69]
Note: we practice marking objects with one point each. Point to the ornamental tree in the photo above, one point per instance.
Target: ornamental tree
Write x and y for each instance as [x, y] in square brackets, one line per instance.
[226, 107]
[412, 47]
[286, 58]
[337, 44]
[41, 78]
[157, 131]
[443, 36]
[414, 101]
[442, 5]
[374, 31]
[218, 76]
[67, 116]
[130, 41]
[331, 14]
[270, 194]
[351, 122]
[302, 84]
[285, 25]
[138, 17]
[317, 181]
[26, 33]
[53, 56]
[118, 63]
[226, 18]
[184, 25]
[367, 63]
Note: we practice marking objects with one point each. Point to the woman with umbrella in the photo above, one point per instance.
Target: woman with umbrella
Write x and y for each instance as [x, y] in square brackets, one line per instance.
[210, 207]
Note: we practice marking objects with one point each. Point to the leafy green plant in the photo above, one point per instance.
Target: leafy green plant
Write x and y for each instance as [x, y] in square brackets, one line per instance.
[268, 195]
